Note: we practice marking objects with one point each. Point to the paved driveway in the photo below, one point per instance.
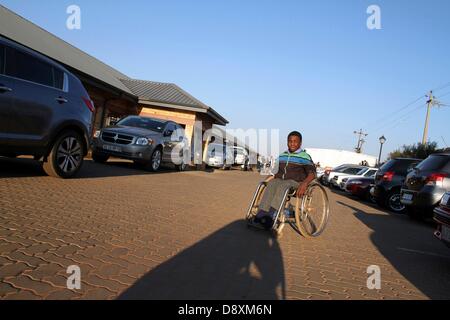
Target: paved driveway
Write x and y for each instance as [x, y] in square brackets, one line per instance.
[181, 235]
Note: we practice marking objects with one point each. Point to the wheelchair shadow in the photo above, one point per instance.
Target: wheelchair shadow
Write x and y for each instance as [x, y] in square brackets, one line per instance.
[233, 263]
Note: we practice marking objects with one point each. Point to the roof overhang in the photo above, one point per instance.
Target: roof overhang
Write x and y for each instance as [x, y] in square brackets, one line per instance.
[210, 111]
[28, 34]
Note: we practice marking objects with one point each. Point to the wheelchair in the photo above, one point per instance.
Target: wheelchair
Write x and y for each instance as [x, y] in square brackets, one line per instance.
[308, 215]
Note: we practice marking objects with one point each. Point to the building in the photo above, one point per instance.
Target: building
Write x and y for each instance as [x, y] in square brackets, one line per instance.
[333, 158]
[115, 95]
[169, 102]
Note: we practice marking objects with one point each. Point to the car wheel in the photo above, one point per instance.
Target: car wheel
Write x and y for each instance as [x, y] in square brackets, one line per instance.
[369, 197]
[393, 202]
[100, 158]
[155, 160]
[66, 156]
[181, 167]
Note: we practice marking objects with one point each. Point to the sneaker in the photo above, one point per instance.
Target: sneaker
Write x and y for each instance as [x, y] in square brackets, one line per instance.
[255, 224]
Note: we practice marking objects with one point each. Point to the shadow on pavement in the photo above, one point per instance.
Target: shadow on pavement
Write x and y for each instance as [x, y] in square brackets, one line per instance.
[232, 263]
[26, 167]
[411, 249]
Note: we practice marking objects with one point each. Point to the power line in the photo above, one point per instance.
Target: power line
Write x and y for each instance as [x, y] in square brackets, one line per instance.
[398, 110]
[393, 123]
[445, 94]
[441, 87]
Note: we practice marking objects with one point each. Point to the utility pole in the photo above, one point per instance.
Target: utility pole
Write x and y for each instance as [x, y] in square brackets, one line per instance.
[429, 105]
[432, 102]
[361, 141]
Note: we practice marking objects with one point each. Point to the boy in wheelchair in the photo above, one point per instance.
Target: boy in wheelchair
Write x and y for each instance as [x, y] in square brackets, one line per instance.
[295, 170]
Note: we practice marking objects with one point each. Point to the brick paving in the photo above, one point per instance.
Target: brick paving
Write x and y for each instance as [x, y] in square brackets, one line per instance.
[178, 235]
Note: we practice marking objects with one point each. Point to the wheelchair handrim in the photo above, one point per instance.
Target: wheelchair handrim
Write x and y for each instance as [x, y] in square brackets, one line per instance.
[301, 213]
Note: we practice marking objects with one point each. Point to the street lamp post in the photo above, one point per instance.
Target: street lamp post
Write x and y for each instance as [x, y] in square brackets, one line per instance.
[382, 141]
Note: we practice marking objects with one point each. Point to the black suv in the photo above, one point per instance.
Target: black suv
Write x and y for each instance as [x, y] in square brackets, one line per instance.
[44, 111]
[147, 141]
[389, 180]
[426, 184]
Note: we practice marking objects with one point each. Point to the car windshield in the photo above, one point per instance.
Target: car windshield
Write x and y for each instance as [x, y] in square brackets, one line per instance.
[370, 173]
[362, 171]
[340, 168]
[144, 123]
[352, 170]
[216, 150]
[400, 166]
[434, 163]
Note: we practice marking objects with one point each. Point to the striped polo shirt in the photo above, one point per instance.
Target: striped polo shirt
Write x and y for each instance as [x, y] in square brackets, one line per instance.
[295, 166]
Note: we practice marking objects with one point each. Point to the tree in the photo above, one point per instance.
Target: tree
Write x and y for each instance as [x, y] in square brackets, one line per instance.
[418, 150]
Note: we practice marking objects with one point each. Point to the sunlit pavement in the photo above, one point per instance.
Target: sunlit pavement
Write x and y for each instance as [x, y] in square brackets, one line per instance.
[178, 235]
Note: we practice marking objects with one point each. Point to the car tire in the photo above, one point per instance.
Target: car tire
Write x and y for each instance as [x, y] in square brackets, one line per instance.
[66, 156]
[393, 203]
[155, 160]
[99, 158]
[370, 198]
[181, 167]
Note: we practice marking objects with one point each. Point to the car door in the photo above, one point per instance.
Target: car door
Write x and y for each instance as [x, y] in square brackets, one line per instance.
[7, 92]
[168, 143]
[36, 104]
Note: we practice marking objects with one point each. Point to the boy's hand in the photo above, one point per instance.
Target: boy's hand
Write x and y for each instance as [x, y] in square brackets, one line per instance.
[301, 189]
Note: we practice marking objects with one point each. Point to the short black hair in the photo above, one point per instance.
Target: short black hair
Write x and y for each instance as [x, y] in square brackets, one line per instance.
[297, 134]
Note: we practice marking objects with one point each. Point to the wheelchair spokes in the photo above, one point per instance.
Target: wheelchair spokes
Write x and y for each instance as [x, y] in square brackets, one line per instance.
[309, 214]
[312, 217]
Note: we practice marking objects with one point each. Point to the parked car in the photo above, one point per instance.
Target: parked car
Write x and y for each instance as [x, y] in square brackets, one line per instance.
[330, 173]
[45, 111]
[220, 156]
[389, 180]
[241, 158]
[319, 173]
[365, 172]
[425, 185]
[351, 171]
[147, 141]
[359, 187]
[442, 218]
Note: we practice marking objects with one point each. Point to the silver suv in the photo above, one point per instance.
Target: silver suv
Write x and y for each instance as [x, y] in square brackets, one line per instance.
[44, 111]
[147, 141]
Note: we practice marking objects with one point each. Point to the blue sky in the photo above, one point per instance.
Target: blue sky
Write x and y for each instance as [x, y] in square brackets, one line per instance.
[311, 66]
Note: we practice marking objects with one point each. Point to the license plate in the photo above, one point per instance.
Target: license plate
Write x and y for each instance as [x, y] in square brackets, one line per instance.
[445, 199]
[407, 196]
[445, 234]
[112, 148]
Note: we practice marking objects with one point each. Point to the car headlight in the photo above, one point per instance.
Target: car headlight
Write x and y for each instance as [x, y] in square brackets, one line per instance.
[97, 133]
[144, 141]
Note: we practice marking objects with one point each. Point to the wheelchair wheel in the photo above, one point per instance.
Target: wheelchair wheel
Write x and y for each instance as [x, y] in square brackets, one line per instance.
[312, 210]
[254, 205]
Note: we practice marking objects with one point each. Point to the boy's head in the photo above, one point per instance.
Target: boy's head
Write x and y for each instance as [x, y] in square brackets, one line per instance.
[294, 141]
